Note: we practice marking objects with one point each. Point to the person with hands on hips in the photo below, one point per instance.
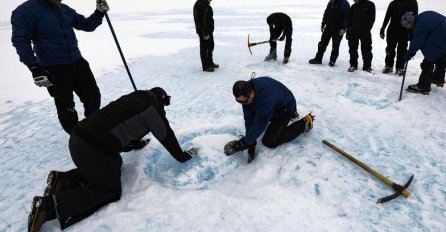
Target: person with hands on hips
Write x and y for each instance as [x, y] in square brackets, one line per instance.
[268, 107]
[95, 146]
[44, 38]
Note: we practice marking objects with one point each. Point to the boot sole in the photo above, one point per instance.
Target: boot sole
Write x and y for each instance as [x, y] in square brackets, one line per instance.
[37, 202]
[422, 92]
[50, 181]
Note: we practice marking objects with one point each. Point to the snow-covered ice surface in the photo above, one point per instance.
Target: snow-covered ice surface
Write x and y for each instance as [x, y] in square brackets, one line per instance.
[300, 186]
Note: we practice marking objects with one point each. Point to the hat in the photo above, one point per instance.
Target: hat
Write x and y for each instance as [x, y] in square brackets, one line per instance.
[161, 95]
[242, 88]
[407, 18]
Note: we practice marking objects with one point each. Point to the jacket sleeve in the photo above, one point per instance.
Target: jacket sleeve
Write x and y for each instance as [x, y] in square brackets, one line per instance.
[387, 17]
[345, 8]
[324, 17]
[261, 120]
[22, 33]
[372, 16]
[420, 33]
[200, 16]
[85, 24]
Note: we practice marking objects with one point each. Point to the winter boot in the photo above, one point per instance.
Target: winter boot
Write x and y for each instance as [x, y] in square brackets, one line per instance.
[438, 83]
[315, 61]
[331, 63]
[209, 69]
[388, 69]
[215, 65]
[352, 69]
[42, 210]
[285, 60]
[369, 70]
[416, 89]
[58, 182]
[308, 119]
[272, 56]
[399, 71]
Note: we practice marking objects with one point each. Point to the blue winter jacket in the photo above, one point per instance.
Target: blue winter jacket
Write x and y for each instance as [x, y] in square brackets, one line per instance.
[429, 36]
[271, 97]
[340, 9]
[50, 29]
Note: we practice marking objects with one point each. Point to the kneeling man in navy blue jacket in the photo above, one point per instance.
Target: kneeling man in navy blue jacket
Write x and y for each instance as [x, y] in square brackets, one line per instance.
[268, 106]
[95, 145]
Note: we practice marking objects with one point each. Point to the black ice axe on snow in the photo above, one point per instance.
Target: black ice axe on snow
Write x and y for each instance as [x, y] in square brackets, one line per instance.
[399, 190]
[254, 44]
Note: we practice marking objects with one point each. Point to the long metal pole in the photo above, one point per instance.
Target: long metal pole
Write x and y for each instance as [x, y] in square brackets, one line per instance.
[404, 77]
[120, 51]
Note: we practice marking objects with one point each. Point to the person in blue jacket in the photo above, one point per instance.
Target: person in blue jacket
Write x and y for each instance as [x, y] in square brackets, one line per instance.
[44, 38]
[268, 106]
[334, 25]
[429, 34]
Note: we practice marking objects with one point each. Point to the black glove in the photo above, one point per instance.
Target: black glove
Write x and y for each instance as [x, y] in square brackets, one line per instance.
[136, 145]
[381, 33]
[192, 151]
[348, 35]
[409, 56]
[235, 146]
[205, 36]
[41, 76]
[102, 6]
[251, 152]
[282, 38]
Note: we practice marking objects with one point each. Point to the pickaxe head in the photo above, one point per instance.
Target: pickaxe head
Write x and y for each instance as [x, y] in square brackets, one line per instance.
[400, 190]
[249, 45]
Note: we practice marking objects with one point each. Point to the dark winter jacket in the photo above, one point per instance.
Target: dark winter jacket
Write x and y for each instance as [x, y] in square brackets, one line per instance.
[203, 17]
[361, 18]
[395, 11]
[429, 36]
[271, 98]
[49, 28]
[278, 23]
[127, 119]
[336, 15]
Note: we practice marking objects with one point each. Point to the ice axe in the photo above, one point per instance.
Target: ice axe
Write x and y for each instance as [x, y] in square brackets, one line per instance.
[399, 190]
[254, 44]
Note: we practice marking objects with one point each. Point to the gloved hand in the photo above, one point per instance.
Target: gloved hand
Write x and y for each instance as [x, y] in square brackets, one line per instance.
[192, 151]
[409, 56]
[348, 34]
[102, 6]
[235, 146]
[381, 33]
[342, 32]
[322, 28]
[205, 36]
[251, 152]
[282, 38]
[136, 145]
[41, 76]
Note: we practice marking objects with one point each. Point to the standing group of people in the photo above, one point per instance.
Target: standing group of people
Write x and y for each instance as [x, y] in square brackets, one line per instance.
[44, 38]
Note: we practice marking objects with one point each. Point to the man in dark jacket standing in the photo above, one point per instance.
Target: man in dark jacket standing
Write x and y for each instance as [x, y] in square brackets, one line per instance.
[43, 35]
[359, 24]
[95, 145]
[204, 26]
[429, 34]
[268, 106]
[334, 24]
[279, 24]
[396, 34]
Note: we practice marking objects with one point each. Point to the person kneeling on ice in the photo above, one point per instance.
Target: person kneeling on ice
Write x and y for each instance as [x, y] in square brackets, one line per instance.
[265, 100]
[429, 34]
[95, 145]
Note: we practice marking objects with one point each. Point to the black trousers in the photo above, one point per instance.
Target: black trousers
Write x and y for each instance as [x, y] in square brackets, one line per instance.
[100, 173]
[206, 50]
[278, 132]
[398, 42]
[335, 43]
[78, 78]
[428, 74]
[288, 43]
[366, 50]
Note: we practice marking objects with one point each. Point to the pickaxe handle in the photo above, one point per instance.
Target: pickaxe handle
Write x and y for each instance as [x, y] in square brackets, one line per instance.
[388, 182]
